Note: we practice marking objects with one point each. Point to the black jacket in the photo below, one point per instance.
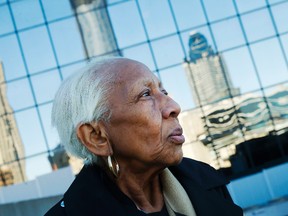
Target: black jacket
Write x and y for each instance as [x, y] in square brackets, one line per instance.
[93, 193]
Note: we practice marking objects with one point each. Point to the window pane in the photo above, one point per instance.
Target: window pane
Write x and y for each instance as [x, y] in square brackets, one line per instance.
[154, 19]
[23, 16]
[228, 39]
[188, 13]
[9, 54]
[31, 133]
[274, 1]
[247, 5]
[140, 53]
[115, 1]
[134, 32]
[68, 70]
[270, 71]
[45, 85]
[224, 130]
[253, 114]
[168, 51]
[37, 166]
[259, 20]
[6, 24]
[175, 82]
[19, 94]
[280, 15]
[37, 50]
[204, 31]
[240, 67]
[284, 39]
[219, 9]
[67, 41]
[51, 133]
[277, 96]
[55, 9]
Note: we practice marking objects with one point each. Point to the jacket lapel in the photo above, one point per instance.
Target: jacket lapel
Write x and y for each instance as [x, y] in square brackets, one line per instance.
[205, 188]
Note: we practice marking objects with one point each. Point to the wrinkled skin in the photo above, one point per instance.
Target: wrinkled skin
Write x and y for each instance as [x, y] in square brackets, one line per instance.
[142, 121]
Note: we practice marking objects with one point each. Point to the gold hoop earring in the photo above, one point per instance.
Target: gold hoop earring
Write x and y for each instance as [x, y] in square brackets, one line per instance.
[115, 170]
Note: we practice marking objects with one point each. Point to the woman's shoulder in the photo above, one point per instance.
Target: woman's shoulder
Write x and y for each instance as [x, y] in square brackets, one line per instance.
[199, 172]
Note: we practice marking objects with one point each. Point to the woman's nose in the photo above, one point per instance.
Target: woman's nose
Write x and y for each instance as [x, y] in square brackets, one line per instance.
[170, 108]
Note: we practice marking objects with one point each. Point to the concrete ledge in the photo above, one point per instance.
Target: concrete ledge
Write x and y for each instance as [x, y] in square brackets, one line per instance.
[29, 207]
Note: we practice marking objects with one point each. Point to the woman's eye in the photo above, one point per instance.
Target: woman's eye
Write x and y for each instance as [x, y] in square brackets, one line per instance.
[146, 94]
[165, 92]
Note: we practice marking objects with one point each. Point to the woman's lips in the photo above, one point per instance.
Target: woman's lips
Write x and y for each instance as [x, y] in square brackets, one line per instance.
[177, 137]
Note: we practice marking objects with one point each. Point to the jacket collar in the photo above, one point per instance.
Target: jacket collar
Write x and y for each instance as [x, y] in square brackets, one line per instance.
[92, 190]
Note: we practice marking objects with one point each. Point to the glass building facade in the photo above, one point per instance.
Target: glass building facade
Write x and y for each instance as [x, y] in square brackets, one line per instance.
[44, 41]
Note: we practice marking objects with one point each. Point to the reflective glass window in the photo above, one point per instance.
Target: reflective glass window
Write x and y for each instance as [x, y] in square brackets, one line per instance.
[9, 54]
[259, 20]
[6, 24]
[22, 12]
[157, 24]
[37, 50]
[270, 71]
[134, 33]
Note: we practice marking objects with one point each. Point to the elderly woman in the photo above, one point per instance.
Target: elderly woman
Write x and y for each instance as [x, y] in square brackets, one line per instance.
[117, 116]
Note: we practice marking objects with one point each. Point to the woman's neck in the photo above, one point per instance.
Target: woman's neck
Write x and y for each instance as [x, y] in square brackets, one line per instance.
[144, 190]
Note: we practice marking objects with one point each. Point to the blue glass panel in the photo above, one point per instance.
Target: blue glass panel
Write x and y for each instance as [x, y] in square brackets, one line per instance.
[270, 71]
[228, 39]
[37, 49]
[259, 20]
[175, 82]
[239, 65]
[6, 24]
[32, 136]
[188, 13]
[37, 166]
[22, 11]
[204, 31]
[133, 32]
[9, 54]
[51, 132]
[70, 69]
[284, 39]
[19, 94]
[219, 9]
[168, 51]
[247, 5]
[140, 53]
[157, 24]
[67, 41]
[281, 16]
[45, 85]
[55, 9]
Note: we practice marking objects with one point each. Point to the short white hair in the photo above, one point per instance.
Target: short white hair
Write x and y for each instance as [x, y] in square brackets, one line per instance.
[82, 98]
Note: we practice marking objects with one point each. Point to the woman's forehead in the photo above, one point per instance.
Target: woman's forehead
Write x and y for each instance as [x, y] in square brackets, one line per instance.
[140, 78]
[132, 71]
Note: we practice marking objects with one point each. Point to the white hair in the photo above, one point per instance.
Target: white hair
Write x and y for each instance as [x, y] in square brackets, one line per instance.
[82, 98]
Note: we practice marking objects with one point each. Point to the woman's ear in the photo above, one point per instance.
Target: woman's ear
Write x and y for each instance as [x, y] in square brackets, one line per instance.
[93, 136]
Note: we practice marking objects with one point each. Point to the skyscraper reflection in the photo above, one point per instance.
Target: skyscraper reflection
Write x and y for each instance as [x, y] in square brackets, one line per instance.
[95, 27]
[207, 73]
[11, 148]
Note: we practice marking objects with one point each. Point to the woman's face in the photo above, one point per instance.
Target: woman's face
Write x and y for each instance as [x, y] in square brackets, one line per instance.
[143, 129]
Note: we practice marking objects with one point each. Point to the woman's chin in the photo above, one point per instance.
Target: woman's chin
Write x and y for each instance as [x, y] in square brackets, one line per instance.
[176, 159]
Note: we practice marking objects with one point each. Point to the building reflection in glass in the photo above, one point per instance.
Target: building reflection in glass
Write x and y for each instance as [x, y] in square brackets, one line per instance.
[242, 133]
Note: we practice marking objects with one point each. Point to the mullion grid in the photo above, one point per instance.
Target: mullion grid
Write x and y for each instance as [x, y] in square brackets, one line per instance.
[147, 41]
